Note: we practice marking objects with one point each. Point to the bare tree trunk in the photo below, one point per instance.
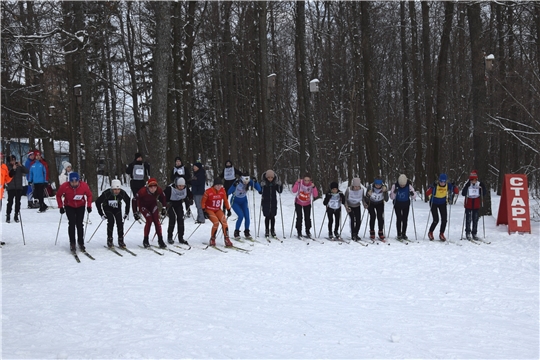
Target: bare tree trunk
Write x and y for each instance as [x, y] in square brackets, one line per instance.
[431, 171]
[301, 81]
[264, 161]
[405, 87]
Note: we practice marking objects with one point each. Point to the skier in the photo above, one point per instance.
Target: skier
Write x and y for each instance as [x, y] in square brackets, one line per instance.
[401, 194]
[15, 187]
[71, 201]
[271, 186]
[438, 195]
[198, 183]
[38, 178]
[353, 199]
[64, 175]
[109, 207]
[377, 194]
[176, 194]
[211, 203]
[333, 201]
[139, 171]
[305, 190]
[4, 178]
[474, 192]
[29, 191]
[181, 171]
[240, 203]
[147, 207]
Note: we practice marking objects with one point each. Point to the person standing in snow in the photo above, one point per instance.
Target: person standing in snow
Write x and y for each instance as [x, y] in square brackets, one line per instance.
[333, 201]
[305, 190]
[271, 186]
[212, 201]
[176, 194]
[438, 195]
[39, 177]
[72, 197]
[64, 175]
[29, 191]
[474, 192]
[15, 187]
[401, 194]
[229, 176]
[109, 207]
[376, 195]
[353, 199]
[4, 178]
[139, 171]
[198, 184]
[181, 171]
[146, 206]
[240, 203]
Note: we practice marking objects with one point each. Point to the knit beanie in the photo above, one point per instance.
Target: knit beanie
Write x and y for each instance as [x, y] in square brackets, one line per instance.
[270, 173]
[152, 181]
[356, 182]
[473, 175]
[334, 185]
[402, 180]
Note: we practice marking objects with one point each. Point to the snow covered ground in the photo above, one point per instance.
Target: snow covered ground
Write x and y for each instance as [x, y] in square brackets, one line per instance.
[290, 300]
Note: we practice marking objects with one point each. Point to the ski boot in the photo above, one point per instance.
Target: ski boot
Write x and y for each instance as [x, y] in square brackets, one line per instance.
[266, 233]
[468, 236]
[430, 236]
[145, 242]
[404, 237]
[475, 237]
[7, 219]
[442, 237]
[228, 242]
[336, 235]
[330, 237]
[372, 234]
[247, 234]
[308, 234]
[183, 242]
[236, 234]
[121, 243]
[161, 243]
[16, 217]
[212, 241]
[72, 248]
[273, 233]
[381, 235]
[110, 242]
[170, 240]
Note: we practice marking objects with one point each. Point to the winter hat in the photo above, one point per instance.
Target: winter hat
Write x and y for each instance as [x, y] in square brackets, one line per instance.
[198, 164]
[31, 153]
[151, 181]
[180, 181]
[74, 176]
[356, 182]
[115, 184]
[245, 178]
[270, 173]
[138, 155]
[66, 165]
[402, 180]
[12, 157]
[377, 182]
[334, 185]
[218, 181]
[443, 178]
[473, 175]
[37, 152]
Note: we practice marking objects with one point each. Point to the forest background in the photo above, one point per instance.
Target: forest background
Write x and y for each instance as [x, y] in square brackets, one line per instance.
[419, 87]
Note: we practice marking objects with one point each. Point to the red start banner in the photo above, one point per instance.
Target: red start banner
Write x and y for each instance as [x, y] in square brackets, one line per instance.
[514, 208]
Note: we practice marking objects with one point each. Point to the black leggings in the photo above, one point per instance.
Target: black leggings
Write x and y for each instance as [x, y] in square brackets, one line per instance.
[379, 208]
[331, 215]
[112, 217]
[435, 210]
[307, 214]
[402, 215]
[75, 217]
[176, 216]
[356, 219]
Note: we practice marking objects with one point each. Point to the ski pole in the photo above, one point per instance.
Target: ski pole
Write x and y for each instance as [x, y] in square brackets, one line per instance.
[313, 212]
[134, 221]
[450, 216]
[414, 221]
[281, 210]
[320, 230]
[58, 231]
[429, 214]
[86, 226]
[365, 228]
[95, 231]
[391, 217]
[22, 230]
[194, 231]
[463, 224]
[259, 225]
[292, 224]
[483, 221]
[344, 221]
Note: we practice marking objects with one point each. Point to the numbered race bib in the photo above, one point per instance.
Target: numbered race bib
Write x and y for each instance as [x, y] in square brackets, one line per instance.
[334, 202]
[355, 197]
[216, 203]
[377, 197]
[180, 171]
[240, 191]
[473, 192]
[304, 196]
[113, 204]
[228, 173]
[78, 197]
[138, 172]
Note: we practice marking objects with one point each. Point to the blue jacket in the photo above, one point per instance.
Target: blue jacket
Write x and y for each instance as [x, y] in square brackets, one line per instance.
[37, 173]
[198, 182]
[239, 189]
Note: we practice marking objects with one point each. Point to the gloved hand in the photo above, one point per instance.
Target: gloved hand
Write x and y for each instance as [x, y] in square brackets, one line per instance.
[137, 216]
[89, 209]
[395, 190]
[384, 188]
[411, 193]
[254, 179]
[163, 211]
[62, 210]
[228, 212]
[348, 209]
[205, 214]
[369, 193]
[190, 202]
[103, 217]
[126, 217]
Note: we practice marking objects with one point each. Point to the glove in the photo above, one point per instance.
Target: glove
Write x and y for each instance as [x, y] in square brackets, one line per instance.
[103, 217]
[205, 214]
[369, 193]
[62, 210]
[228, 212]
[190, 202]
[411, 193]
[126, 216]
[136, 216]
[163, 211]
[395, 191]
[384, 188]
[254, 179]
[89, 209]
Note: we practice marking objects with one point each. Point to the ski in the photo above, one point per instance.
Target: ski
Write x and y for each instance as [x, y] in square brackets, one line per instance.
[252, 239]
[361, 242]
[127, 250]
[112, 249]
[276, 238]
[150, 249]
[182, 247]
[301, 238]
[87, 254]
[316, 240]
[403, 241]
[166, 248]
[380, 241]
[483, 241]
[213, 247]
[76, 256]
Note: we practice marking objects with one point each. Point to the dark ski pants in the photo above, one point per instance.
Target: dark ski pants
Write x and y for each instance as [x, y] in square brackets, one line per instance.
[112, 217]
[333, 214]
[14, 194]
[379, 210]
[435, 210]
[75, 219]
[356, 220]
[176, 217]
[470, 215]
[307, 215]
[270, 223]
[402, 215]
[38, 194]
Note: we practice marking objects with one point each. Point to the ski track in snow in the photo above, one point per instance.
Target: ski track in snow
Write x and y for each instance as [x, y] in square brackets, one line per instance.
[290, 300]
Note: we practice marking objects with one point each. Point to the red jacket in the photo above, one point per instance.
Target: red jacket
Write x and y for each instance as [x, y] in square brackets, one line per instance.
[213, 199]
[144, 199]
[74, 197]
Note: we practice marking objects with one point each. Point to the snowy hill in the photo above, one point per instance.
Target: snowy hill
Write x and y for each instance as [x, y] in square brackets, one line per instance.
[282, 300]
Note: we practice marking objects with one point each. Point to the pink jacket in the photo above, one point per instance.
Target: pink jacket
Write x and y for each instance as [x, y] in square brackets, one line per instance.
[304, 191]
